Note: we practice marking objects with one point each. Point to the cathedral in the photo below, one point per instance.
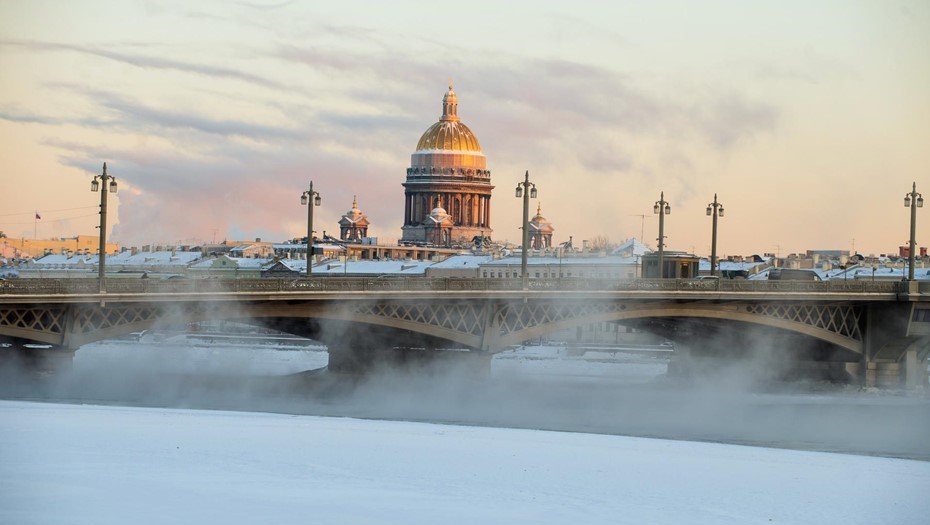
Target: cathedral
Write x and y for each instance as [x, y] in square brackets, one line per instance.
[448, 187]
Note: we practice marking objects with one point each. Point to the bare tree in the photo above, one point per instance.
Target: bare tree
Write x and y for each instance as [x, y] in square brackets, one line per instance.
[598, 243]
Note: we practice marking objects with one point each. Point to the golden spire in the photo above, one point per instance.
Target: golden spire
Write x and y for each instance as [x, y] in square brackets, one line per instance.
[539, 208]
[354, 204]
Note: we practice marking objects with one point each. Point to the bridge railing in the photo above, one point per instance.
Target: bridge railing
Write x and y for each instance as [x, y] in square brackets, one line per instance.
[85, 286]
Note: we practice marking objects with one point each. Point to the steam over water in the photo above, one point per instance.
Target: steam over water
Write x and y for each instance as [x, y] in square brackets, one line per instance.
[534, 387]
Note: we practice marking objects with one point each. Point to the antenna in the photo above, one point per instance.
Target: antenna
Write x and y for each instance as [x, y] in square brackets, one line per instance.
[642, 225]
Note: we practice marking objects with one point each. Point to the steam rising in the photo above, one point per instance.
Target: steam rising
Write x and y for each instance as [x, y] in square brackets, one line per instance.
[710, 396]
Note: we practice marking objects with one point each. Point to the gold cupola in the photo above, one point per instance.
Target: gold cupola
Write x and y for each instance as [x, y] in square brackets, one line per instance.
[449, 134]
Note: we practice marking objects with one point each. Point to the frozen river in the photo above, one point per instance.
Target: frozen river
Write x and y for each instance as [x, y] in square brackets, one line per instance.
[551, 388]
[102, 465]
[125, 439]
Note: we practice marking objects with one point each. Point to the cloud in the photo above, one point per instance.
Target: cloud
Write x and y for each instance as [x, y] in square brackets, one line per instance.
[353, 125]
[147, 62]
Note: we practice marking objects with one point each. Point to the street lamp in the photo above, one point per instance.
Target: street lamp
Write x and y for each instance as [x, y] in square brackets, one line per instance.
[918, 202]
[662, 209]
[95, 184]
[526, 190]
[305, 199]
[715, 209]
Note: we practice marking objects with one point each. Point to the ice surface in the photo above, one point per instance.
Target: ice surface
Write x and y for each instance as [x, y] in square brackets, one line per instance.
[116, 465]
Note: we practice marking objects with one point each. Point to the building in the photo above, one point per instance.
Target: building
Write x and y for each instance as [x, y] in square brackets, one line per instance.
[82, 245]
[447, 193]
[227, 267]
[555, 264]
[677, 265]
[353, 226]
[540, 231]
[462, 266]
[905, 251]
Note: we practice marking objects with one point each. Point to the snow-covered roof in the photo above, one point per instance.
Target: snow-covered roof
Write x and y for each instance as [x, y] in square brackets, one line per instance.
[565, 261]
[160, 258]
[234, 262]
[382, 267]
[729, 265]
[631, 247]
[459, 262]
[61, 260]
[295, 265]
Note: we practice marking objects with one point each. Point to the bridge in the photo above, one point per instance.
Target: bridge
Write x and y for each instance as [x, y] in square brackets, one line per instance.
[879, 332]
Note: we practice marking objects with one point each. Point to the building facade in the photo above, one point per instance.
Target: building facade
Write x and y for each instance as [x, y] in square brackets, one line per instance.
[80, 245]
[540, 231]
[448, 180]
[353, 226]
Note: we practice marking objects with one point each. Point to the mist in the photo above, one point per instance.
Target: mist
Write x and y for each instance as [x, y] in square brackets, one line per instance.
[744, 400]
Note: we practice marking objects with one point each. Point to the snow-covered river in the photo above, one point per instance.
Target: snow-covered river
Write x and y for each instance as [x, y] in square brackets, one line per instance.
[125, 438]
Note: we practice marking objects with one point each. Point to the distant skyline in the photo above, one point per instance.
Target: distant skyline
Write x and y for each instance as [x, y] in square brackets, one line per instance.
[809, 120]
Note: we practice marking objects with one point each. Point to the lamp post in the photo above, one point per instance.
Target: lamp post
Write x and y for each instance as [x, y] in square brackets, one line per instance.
[715, 209]
[526, 190]
[912, 200]
[95, 185]
[310, 198]
[661, 208]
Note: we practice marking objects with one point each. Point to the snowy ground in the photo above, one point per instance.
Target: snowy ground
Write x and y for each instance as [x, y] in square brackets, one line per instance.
[116, 465]
[456, 451]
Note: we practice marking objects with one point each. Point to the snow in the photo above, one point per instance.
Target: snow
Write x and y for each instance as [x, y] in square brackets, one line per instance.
[99, 465]
[89, 464]
[458, 262]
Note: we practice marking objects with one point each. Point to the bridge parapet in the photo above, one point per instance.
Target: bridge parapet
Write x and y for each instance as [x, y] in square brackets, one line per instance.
[362, 284]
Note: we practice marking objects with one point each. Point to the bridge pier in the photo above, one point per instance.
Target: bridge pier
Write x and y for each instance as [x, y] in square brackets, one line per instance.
[910, 372]
[38, 360]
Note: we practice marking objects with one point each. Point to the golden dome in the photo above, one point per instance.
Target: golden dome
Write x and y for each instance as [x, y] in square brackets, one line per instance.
[449, 133]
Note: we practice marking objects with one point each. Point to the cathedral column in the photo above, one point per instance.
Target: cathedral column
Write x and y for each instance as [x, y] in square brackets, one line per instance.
[488, 215]
[460, 209]
[406, 210]
[480, 210]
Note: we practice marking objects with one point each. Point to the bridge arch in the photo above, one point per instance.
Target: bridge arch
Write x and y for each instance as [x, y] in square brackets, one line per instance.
[723, 312]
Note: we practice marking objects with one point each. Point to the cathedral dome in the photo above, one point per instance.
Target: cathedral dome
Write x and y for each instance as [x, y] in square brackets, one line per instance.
[449, 134]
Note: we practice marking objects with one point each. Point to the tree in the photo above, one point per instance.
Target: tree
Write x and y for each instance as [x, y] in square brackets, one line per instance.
[600, 242]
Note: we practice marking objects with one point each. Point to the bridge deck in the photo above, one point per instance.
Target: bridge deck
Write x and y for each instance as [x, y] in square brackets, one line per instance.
[20, 291]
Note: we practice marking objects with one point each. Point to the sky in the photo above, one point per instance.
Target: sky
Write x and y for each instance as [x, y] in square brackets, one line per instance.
[809, 120]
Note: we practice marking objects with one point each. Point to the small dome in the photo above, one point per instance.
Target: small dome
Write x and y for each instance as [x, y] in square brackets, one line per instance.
[438, 211]
[354, 212]
[539, 216]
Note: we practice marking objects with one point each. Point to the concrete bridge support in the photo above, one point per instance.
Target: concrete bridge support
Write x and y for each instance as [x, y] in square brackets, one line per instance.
[371, 351]
[37, 360]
